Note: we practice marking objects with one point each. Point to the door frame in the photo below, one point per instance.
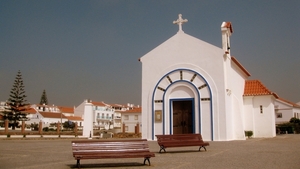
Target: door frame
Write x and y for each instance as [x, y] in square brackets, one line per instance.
[171, 112]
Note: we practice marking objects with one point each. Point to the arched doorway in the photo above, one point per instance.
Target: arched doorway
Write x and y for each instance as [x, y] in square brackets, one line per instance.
[184, 87]
[183, 116]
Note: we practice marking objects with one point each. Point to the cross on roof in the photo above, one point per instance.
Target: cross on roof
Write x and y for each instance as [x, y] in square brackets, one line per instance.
[180, 21]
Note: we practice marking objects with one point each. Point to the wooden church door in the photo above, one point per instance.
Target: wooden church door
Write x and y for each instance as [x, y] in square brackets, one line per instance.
[182, 117]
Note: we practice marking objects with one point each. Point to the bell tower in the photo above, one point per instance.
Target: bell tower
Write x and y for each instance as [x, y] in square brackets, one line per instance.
[226, 29]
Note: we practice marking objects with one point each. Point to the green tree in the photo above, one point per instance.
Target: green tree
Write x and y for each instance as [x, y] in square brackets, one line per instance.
[295, 120]
[16, 103]
[68, 125]
[44, 100]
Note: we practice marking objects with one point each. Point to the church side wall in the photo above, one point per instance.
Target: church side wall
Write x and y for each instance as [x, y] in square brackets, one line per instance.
[235, 90]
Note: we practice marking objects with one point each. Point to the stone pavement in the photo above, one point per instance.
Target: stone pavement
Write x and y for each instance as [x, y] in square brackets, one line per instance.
[281, 152]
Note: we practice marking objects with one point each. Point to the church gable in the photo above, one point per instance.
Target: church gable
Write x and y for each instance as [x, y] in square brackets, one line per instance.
[183, 48]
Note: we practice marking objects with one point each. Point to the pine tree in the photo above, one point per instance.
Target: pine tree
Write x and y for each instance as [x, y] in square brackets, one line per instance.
[44, 100]
[16, 103]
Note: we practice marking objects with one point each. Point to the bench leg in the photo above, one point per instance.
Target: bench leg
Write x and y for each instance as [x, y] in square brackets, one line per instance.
[147, 159]
[201, 147]
[162, 148]
[78, 163]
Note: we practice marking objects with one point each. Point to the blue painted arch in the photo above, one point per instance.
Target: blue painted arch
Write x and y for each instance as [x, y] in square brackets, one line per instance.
[198, 95]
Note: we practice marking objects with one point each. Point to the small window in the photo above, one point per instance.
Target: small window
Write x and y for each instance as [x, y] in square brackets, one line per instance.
[279, 115]
[126, 128]
[136, 117]
[261, 109]
[126, 117]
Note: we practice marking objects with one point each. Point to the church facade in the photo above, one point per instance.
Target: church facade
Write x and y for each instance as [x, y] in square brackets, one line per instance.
[191, 86]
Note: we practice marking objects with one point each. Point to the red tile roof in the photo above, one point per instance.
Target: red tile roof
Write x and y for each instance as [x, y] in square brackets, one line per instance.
[99, 104]
[74, 118]
[293, 104]
[52, 115]
[256, 88]
[66, 109]
[30, 111]
[134, 110]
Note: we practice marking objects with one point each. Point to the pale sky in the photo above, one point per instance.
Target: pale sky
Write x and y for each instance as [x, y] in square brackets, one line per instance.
[79, 50]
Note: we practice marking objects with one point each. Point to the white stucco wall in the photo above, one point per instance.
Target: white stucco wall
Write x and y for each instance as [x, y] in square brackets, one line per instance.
[88, 119]
[185, 51]
[131, 122]
[235, 85]
[261, 123]
[286, 110]
[79, 110]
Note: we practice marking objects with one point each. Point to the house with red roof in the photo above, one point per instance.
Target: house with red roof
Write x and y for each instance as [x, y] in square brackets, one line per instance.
[105, 116]
[191, 86]
[130, 119]
[49, 114]
[102, 114]
[285, 110]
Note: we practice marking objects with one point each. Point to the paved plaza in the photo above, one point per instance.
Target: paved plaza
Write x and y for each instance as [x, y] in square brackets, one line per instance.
[281, 152]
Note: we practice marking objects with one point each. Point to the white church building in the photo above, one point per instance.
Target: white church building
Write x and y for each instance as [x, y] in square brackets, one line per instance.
[191, 86]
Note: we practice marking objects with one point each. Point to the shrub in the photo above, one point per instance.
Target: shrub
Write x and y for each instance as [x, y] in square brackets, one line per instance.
[46, 129]
[249, 133]
[295, 120]
[288, 128]
[8, 135]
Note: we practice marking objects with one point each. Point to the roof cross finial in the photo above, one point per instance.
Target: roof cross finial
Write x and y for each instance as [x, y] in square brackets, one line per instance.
[180, 21]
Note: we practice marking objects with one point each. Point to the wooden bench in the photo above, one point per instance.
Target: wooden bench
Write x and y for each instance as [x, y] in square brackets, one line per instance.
[100, 149]
[180, 140]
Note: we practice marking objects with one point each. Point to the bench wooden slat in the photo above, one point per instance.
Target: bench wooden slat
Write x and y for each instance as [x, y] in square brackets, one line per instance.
[99, 149]
[180, 140]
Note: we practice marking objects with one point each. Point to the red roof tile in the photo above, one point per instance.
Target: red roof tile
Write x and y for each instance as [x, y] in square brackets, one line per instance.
[74, 118]
[256, 88]
[66, 109]
[134, 110]
[30, 111]
[52, 115]
[293, 104]
[99, 104]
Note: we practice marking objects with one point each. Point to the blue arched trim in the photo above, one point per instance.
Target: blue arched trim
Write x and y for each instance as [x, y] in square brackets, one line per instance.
[211, 101]
[198, 95]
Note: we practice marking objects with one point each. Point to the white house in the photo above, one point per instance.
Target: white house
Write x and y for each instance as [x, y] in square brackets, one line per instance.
[131, 118]
[51, 114]
[285, 110]
[191, 86]
[102, 114]
[259, 109]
